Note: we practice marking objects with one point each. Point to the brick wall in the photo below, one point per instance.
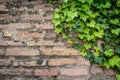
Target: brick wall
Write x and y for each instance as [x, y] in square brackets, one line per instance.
[30, 50]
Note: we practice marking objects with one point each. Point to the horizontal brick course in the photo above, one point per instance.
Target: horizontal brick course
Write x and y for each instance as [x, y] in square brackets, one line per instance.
[32, 17]
[27, 72]
[16, 26]
[28, 63]
[27, 35]
[44, 26]
[67, 61]
[44, 43]
[46, 72]
[5, 62]
[1, 52]
[22, 52]
[60, 51]
[10, 43]
[74, 72]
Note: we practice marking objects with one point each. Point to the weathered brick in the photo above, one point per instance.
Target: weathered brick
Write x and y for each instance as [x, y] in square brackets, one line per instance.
[27, 72]
[28, 35]
[60, 51]
[46, 72]
[22, 52]
[28, 63]
[110, 72]
[7, 34]
[19, 26]
[43, 8]
[72, 78]
[35, 17]
[74, 71]
[67, 61]
[96, 69]
[44, 43]
[1, 52]
[44, 26]
[2, 7]
[6, 17]
[10, 43]
[6, 0]
[4, 62]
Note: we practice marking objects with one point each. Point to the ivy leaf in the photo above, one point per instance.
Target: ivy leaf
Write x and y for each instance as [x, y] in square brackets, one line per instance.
[82, 1]
[83, 53]
[114, 21]
[106, 64]
[99, 33]
[116, 31]
[56, 16]
[65, 1]
[90, 37]
[56, 22]
[87, 45]
[58, 30]
[64, 36]
[118, 76]
[81, 36]
[118, 3]
[69, 41]
[92, 23]
[90, 1]
[86, 30]
[109, 52]
[107, 5]
[115, 61]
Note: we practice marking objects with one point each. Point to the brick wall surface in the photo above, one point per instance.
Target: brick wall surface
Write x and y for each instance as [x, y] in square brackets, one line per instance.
[30, 50]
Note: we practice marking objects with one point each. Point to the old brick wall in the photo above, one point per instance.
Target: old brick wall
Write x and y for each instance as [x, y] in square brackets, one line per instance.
[30, 50]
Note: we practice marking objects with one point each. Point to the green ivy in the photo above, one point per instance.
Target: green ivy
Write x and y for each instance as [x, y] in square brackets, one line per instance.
[92, 27]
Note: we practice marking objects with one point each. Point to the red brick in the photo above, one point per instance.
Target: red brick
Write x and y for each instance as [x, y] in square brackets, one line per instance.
[32, 2]
[96, 69]
[67, 61]
[35, 17]
[44, 26]
[4, 62]
[10, 43]
[110, 72]
[6, 0]
[6, 17]
[2, 7]
[19, 26]
[46, 72]
[43, 8]
[22, 52]
[60, 51]
[19, 71]
[1, 52]
[28, 63]
[28, 35]
[74, 72]
[44, 43]
[7, 34]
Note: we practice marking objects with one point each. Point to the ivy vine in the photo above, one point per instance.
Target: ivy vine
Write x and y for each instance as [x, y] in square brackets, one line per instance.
[92, 27]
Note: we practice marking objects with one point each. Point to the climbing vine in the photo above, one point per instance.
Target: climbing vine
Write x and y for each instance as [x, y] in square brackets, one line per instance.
[92, 27]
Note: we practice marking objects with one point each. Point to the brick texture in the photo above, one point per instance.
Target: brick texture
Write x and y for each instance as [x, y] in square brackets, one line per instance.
[45, 43]
[60, 51]
[22, 52]
[67, 61]
[74, 72]
[1, 52]
[46, 72]
[5, 62]
[31, 50]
